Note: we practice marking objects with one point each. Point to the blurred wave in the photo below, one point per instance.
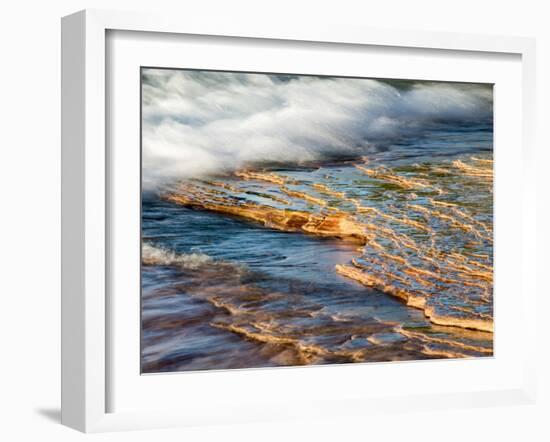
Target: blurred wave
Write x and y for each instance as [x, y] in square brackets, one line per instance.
[200, 123]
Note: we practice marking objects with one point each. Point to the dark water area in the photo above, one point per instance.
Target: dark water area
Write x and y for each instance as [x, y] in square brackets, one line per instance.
[220, 291]
[440, 141]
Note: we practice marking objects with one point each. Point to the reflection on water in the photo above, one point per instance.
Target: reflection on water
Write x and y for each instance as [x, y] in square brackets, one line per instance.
[377, 259]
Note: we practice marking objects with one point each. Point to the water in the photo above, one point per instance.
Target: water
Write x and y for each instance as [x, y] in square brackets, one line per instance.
[380, 258]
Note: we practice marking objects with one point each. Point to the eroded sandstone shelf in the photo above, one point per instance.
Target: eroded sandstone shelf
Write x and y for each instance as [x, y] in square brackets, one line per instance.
[424, 231]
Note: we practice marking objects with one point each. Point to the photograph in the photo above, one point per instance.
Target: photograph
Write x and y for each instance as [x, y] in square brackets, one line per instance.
[293, 219]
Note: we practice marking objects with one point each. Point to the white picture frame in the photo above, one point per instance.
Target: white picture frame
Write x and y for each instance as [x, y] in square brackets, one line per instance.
[85, 200]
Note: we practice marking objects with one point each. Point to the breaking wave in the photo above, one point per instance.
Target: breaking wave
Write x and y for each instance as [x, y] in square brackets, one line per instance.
[153, 255]
[197, 123]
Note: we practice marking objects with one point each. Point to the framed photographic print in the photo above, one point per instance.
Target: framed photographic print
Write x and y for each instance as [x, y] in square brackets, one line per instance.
[279, 223]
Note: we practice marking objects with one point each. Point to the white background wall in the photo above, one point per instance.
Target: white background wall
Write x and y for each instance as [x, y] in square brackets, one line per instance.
[30, 220]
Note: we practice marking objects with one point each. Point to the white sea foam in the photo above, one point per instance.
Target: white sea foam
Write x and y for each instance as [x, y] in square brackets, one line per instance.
[197, 123]
[153, 255]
